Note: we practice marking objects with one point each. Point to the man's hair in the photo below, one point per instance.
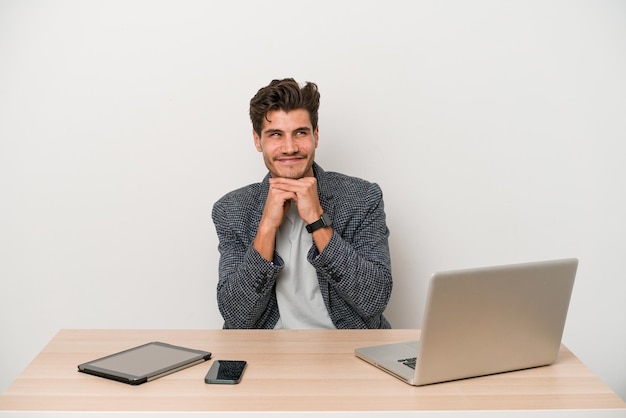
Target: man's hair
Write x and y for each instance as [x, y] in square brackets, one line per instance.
[285, 95]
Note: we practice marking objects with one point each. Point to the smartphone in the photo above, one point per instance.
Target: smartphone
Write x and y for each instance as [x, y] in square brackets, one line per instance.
[225, 372]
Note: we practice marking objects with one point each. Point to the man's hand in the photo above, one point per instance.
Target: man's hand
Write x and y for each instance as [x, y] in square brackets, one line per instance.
[281, 192]
[303, 192]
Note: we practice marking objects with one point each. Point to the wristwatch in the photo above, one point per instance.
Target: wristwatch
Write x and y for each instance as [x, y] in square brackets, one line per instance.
[322, 222]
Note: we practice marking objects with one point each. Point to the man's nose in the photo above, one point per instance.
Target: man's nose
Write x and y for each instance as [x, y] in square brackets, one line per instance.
[290, 146]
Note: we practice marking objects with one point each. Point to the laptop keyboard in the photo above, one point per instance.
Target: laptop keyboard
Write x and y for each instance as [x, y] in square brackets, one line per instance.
[410, 362]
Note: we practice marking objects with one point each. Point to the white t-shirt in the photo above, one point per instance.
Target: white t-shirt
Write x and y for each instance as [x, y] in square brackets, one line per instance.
[298, 292]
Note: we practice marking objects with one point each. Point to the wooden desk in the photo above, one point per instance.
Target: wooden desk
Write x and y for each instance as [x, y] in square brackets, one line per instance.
[289, 371]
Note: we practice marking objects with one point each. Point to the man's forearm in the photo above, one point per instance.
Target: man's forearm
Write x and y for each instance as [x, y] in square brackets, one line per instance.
[265, 242]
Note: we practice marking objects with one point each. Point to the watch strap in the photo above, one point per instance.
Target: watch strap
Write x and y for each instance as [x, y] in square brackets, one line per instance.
[322, 222]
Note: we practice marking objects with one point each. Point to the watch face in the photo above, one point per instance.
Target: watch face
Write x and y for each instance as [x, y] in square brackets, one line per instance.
[326, 219]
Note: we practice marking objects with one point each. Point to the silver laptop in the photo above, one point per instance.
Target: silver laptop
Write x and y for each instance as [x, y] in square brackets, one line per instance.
[483, 321]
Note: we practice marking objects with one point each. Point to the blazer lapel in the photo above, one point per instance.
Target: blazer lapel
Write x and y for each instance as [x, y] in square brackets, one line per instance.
[324, 191]
[257, 211]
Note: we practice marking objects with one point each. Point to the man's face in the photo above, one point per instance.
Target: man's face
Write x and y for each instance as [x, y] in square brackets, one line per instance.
[288, 143]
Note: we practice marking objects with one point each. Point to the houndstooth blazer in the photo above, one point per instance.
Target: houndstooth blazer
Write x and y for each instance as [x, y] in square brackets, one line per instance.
[354, 270]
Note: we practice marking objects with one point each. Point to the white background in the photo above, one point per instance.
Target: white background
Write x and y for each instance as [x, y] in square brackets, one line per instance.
[496, 130]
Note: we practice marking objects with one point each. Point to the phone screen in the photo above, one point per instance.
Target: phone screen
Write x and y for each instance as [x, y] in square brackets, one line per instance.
[225, 371]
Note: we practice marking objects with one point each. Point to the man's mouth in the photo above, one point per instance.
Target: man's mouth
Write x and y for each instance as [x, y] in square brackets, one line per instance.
[289, 160]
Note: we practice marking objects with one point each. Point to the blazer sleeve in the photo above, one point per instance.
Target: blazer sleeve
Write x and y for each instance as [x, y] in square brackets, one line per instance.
[356, 262]
[245, 294]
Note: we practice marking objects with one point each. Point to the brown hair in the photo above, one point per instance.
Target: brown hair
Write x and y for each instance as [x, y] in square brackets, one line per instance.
[285, 95]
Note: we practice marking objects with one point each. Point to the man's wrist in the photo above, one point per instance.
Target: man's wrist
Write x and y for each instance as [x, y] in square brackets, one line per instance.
[324, 221]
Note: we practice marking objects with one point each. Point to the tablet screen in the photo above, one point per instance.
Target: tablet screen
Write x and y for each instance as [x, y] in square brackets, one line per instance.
[143, 362]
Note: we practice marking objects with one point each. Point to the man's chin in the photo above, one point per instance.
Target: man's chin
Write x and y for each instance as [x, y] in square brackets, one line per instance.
[290, 174]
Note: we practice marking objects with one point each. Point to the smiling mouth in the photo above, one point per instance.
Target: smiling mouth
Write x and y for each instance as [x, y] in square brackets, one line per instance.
[290, 160]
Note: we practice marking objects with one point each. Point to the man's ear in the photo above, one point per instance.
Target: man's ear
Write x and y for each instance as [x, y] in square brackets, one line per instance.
[257, 141]
[316, 134]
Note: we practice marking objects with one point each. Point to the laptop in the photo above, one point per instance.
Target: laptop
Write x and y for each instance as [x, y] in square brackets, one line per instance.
[483, 321]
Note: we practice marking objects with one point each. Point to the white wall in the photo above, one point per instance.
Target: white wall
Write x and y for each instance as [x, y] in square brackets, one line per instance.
[496, 130]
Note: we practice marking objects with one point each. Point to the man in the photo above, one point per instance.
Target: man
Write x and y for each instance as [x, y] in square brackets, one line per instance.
[304, 248]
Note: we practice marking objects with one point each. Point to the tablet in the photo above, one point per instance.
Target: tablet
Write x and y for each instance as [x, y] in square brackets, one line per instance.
[144, 363]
